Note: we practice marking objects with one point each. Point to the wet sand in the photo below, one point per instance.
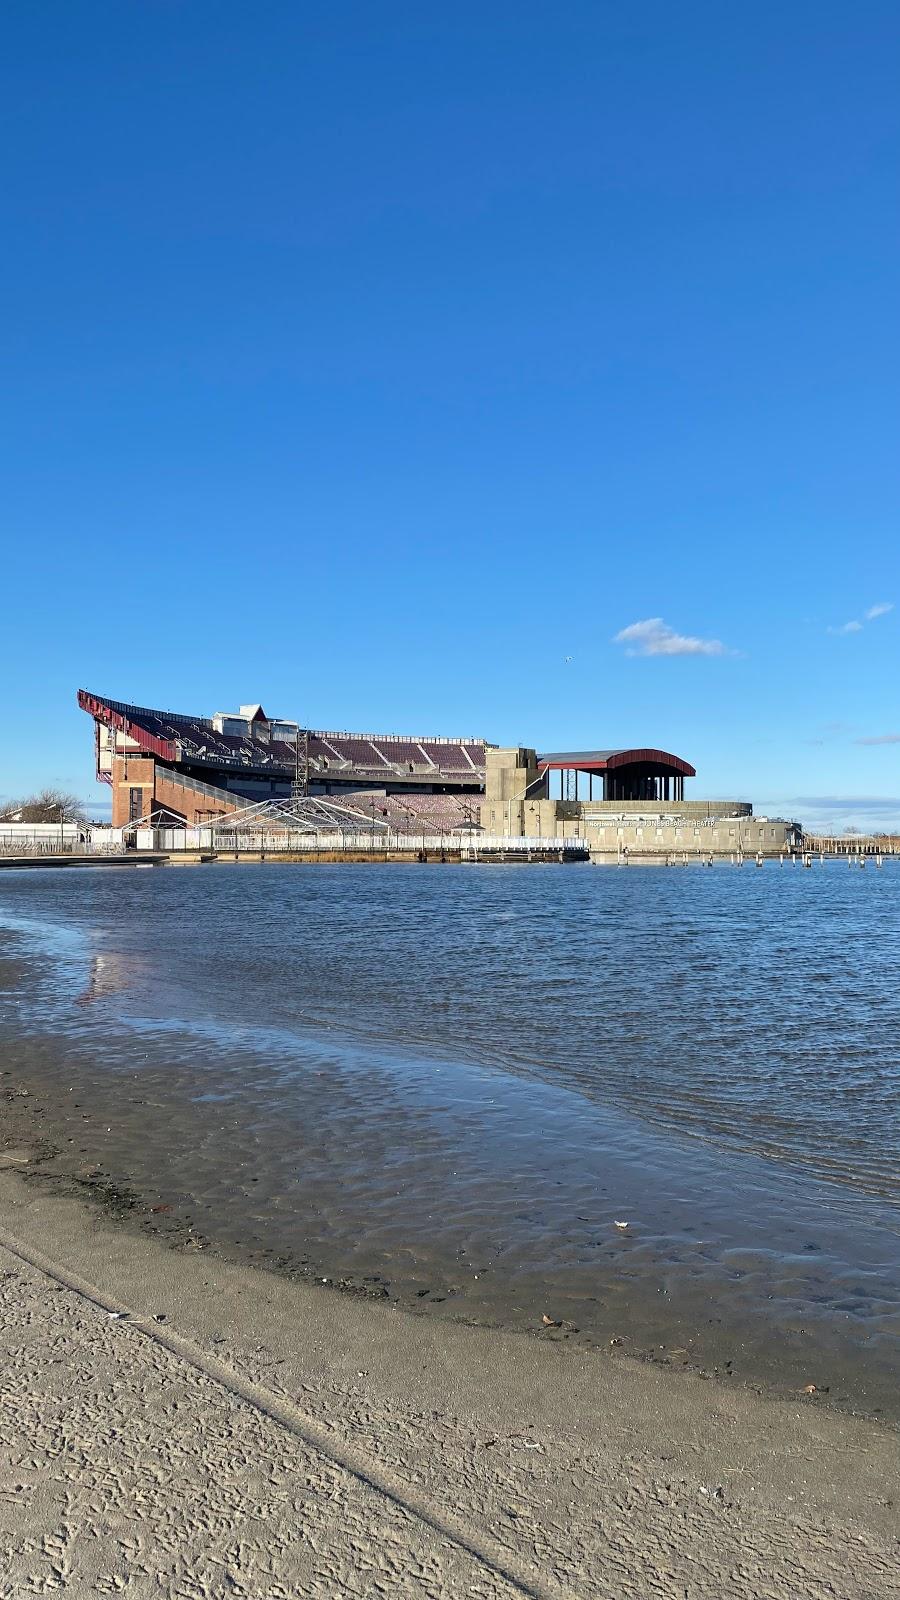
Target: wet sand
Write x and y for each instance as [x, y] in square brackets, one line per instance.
[176, 1425]
[683, 1306]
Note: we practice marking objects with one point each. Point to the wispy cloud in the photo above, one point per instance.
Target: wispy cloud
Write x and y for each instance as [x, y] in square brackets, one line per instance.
[855, 626]
[653, 637]
[827, 813]
[880, 738]
[838, 802]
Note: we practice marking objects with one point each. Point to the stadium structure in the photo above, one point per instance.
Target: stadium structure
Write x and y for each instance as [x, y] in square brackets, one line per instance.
[172, 768]
[243, 768]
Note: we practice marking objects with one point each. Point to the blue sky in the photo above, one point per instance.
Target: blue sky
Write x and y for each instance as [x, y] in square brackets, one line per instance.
[386, 363]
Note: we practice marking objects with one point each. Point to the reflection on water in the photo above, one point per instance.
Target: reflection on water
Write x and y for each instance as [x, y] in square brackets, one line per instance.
[107, 974]
[452, 1081]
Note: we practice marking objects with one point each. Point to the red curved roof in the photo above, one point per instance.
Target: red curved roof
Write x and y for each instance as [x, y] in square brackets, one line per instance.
[609, 760]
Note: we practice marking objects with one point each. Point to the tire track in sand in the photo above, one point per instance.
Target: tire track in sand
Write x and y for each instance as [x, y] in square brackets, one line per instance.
[352, 1458]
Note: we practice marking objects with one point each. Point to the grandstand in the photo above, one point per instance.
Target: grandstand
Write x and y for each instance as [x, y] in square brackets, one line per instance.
[179, 768]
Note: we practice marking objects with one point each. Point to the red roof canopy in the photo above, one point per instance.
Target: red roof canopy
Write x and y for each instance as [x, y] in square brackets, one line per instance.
[609, 760]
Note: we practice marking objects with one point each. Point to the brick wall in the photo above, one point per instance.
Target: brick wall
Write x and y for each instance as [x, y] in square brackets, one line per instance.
[131, 772]
[187, 803]
[158, 789]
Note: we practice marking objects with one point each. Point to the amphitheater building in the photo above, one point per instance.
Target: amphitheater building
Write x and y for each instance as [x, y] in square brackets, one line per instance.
[170, 769]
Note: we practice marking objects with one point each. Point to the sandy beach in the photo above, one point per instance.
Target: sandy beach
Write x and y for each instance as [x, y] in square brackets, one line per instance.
[173, 1425]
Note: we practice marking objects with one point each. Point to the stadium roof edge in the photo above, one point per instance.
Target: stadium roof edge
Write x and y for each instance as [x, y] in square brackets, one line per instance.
[94, 704]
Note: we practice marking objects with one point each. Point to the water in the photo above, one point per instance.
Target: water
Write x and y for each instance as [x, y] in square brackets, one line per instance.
[447, 1086]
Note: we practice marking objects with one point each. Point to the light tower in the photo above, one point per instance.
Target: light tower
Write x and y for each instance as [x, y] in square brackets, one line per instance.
[300, 785]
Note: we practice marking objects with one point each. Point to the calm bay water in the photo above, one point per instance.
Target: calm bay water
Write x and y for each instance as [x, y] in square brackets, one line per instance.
[449, 1084]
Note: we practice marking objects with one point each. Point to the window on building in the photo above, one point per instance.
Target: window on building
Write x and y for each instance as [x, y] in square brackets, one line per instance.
[135, 804]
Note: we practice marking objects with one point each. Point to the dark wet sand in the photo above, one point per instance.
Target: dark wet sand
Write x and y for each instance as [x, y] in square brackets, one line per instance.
[66, 1143]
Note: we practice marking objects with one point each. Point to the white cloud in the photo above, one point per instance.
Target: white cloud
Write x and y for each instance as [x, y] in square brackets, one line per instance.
[653, 637]
[836, 813]
[855, 626]
[880, 738]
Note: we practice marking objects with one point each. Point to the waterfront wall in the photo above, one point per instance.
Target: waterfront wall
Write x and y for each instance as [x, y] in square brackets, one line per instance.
[721, 838]
[254, 843]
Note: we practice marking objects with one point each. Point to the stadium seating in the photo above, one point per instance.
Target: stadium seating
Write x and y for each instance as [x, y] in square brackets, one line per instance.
[196, 742]
[416, 813]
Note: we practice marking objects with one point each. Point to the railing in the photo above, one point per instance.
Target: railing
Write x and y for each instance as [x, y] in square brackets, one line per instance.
[287, 842]
[182, 780]
[852, 844]
[41, 846]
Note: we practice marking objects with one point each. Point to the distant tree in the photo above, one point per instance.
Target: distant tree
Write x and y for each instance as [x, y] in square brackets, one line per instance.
[48, 805]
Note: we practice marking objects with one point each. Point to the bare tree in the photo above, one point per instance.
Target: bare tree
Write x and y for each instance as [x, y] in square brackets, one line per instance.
[48, 805]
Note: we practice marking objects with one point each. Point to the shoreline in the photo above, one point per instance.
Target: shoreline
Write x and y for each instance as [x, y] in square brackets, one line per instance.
[683, 1310]
[231, 1146]
[519, 1469]
[688, 1341]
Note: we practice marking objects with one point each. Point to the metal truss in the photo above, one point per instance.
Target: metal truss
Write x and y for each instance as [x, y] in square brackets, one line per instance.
[301, 814]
